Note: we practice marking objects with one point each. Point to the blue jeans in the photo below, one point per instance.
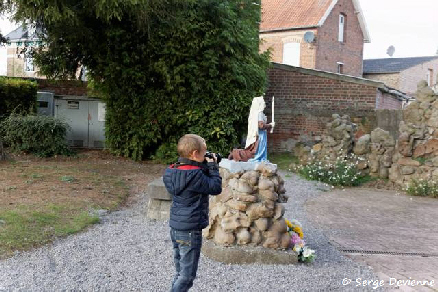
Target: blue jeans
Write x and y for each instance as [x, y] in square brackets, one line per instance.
[186, 252]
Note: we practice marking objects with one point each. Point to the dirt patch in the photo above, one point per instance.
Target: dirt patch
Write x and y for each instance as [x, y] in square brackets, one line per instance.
[57, 194]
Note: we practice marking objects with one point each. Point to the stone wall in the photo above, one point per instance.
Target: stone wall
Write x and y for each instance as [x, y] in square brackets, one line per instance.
[249, 210]
[413, 155]
[416, 154]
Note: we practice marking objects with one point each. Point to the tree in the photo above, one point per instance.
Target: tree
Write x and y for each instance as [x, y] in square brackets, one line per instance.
[165, 68]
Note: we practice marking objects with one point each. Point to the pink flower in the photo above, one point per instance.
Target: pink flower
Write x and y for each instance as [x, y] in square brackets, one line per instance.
[295, 239]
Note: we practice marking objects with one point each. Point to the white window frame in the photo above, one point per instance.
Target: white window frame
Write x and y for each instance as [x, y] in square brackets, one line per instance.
[429, 77]
[28, 60]
[340, 68]
[341, 28]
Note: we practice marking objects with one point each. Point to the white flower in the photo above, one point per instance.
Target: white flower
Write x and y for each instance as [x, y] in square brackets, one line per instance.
[307, 252]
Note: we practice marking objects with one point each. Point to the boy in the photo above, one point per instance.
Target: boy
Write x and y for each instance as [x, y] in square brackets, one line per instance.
[190, 181]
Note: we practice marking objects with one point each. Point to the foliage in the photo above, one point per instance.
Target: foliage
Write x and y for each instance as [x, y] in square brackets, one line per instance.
[166, 153]
[423, 188]
[165, 68]
[41, 135]
[17, 95]
[283, 160]
[338, 173]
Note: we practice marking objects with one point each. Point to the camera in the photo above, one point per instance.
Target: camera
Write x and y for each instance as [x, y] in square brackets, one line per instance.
[209, 154]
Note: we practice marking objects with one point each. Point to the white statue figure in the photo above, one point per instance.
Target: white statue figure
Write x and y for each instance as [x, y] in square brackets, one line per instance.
[256, 141]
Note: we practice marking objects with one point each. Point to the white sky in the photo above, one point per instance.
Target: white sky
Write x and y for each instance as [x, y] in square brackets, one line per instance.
[410, 26]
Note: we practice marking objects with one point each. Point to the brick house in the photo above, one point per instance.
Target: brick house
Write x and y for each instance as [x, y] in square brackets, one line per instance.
[338, 27]
[403, 73]
[305, 100]
[21, 64]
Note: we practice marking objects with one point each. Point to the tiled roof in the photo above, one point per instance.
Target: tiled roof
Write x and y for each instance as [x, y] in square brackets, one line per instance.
[393, 65]
[282, 14]
[295, 14]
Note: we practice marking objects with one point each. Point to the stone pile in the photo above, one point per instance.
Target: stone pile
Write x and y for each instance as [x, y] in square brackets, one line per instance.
[374, 153]
[416, 154]
[337, 139]
[249, 210]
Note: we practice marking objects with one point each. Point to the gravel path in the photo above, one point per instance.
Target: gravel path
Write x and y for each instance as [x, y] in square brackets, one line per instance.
[127, 252]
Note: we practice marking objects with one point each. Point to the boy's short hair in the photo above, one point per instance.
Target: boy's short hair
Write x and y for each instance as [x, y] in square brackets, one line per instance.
[189, 143]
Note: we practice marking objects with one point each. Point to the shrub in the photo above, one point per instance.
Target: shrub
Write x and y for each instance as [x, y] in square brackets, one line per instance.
[338, 173]
[17, 95]
[44, 136]
[166, 153]
[423, 188]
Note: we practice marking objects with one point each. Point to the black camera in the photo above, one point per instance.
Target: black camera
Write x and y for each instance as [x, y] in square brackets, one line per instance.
[209, 154]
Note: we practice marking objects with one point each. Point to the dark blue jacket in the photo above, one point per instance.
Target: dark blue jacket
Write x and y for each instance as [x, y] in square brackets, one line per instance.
[190, 186]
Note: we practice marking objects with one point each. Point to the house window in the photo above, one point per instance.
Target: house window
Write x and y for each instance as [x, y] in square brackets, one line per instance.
[342, 19]
[429, 77]
[340, 68]
[291, 54]
[28, 64]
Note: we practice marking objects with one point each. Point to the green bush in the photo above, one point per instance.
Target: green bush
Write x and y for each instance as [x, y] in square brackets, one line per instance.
[423, 188]
[41, 135]
[166, 153]
[17, 95]
[338, 173]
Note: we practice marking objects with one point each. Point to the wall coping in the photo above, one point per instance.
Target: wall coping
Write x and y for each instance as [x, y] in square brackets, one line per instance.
[330, 75]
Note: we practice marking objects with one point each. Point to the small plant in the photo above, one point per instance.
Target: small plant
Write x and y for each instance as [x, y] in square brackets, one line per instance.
[339, 173]
[422, 160]
[423, 188]
[67, 178]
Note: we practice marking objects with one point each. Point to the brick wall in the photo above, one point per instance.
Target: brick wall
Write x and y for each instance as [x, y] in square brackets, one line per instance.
[65, 87]
[390, 79]
[15, 65]
[387, 101]
[306, 99]
[276, 41]
[409, 78]
[329, 50]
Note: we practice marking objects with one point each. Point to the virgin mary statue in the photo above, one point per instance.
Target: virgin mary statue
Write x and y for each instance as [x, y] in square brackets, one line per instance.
[256, 140]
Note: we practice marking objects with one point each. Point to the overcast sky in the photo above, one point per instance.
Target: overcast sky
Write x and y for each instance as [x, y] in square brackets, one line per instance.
[410, 26]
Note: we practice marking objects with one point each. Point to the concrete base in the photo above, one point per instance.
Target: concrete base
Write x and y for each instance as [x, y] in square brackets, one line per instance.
[159, 201]
[247, 255]
[235, 166]
[158, 209]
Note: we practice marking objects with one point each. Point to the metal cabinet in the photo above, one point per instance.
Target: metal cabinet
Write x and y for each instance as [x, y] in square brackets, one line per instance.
[86, 117]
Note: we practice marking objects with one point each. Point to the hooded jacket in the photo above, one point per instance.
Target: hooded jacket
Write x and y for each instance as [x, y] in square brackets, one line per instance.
[190, 184]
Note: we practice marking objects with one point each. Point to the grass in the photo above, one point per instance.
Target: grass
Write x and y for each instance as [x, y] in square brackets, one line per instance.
[283, 160]
[25, 227]
[42, 199]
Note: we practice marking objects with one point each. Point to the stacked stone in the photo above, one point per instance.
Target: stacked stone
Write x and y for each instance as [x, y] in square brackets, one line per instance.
[416, 154]
[337, 140]
[374, 152]
[249, 209]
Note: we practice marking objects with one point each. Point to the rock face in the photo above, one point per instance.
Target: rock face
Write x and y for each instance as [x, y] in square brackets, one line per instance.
[416, 153]
[337, 139]
[249, 210]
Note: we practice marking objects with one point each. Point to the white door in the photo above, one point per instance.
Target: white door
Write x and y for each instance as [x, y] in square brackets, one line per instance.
[291, 54]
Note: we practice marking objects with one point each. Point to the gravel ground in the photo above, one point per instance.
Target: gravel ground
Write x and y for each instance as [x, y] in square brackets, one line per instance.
[128, 252]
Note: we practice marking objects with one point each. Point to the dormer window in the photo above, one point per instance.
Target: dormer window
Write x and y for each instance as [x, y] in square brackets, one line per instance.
[342, 19]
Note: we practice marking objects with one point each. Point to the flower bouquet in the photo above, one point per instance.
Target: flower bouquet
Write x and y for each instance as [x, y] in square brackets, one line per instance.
[305, 254]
